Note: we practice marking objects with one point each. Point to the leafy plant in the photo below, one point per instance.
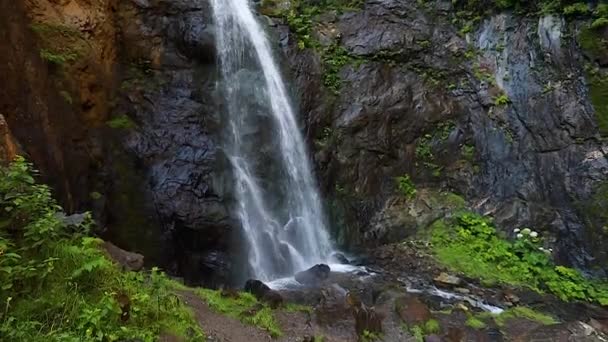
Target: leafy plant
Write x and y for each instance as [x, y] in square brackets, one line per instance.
[502, 100]
[58, 285]
[406, 187]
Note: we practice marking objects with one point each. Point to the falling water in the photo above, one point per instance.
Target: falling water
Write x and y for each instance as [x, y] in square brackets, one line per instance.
[278, 203]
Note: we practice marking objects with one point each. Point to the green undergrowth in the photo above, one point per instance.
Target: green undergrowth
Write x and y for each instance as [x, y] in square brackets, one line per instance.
[470, 244]
[57, 284]
[419, 331]
[243, 307]
[480, 321]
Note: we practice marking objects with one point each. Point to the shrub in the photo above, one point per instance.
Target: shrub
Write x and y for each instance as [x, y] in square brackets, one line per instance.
[58, 285]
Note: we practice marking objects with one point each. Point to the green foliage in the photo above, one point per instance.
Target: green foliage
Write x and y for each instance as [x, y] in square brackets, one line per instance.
[431, 326]
[58, 285]
[121, 122]
[369, 336]
[470, 244]
[244, 307]
[406, 187]
[60, 44]
[579, 8]
[502, 100]
[475, 323]
[468, 152]
[523, 312]
[335, 57]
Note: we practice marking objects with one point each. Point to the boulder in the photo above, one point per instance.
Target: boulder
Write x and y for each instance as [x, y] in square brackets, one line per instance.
[339, 257]
[447, 280]
[313, 275]
[128, 260]
[412, 310]
[263, 293]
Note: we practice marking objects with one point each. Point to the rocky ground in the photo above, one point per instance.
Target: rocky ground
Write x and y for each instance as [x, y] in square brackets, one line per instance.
[403, 295]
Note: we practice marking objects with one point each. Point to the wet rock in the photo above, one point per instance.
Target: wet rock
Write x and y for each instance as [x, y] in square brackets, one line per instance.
[128, 260]
[341, 258]
[313, 275]
[447, 280]
[257, 288]
[263, 293]
[412, 310]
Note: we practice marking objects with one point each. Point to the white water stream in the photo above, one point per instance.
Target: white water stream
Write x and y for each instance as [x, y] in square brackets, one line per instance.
[278, 203]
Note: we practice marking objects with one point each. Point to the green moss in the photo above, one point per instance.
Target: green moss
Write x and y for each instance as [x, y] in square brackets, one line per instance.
[475, 323]
[431, 327]
[60, 44]
[121, 122]
[245, 308]
[524, 312]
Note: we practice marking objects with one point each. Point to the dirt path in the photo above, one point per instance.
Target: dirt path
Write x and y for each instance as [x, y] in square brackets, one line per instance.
[222, 328]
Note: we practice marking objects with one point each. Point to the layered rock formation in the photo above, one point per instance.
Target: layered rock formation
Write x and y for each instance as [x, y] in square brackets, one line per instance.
[498, 112]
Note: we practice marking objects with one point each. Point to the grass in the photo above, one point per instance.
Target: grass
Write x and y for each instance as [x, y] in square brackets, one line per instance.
[245, 308]
[524, 312]
[475, 323]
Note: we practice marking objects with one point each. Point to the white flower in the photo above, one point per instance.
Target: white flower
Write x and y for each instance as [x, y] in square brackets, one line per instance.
[541, 249]
[534, 234]
[516, 230]
[519, 236]
[526, 231]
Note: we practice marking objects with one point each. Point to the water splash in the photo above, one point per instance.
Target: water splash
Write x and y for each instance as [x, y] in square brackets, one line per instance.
[278, 203]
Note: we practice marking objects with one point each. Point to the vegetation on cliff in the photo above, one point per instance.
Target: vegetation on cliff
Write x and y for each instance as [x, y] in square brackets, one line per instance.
[58, 285]
[470, 244]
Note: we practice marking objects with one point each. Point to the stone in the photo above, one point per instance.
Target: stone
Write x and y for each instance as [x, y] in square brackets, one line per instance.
[447, 280]
[412, 310]
[314, 275]
[128, 260]
[263, 293]
[341, 258]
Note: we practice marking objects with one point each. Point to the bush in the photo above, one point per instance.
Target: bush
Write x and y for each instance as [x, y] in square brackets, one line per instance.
[470, 244]
[58, 285]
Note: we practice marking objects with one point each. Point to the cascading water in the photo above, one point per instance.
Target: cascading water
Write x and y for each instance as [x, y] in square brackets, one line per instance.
[278, 203]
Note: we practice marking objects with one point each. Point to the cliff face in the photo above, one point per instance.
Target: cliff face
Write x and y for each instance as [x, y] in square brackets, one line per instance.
[499, 113]
[114, 101]
[51, 115]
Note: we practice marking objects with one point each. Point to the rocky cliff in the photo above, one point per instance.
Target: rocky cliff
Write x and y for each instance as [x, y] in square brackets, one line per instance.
[501, 109]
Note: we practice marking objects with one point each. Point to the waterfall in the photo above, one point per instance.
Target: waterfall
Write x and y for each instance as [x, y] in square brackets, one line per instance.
[278, 202]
